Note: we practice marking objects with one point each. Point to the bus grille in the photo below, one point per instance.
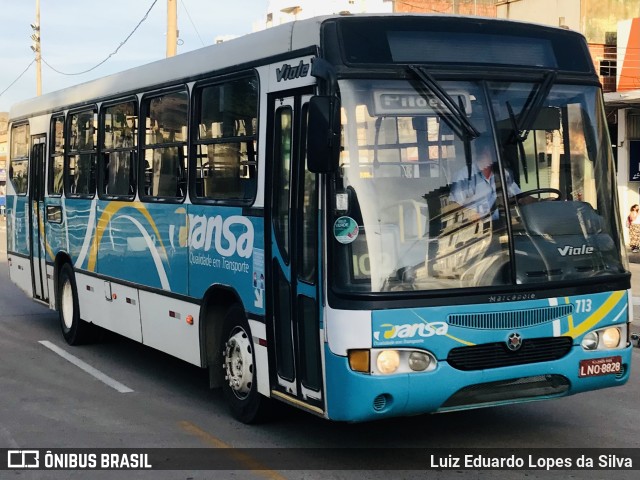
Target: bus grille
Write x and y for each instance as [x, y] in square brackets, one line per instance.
[526, 388]
[496, 355]
[510, 320]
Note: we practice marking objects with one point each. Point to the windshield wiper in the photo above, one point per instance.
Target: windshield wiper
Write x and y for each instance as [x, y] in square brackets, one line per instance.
[522, 126]
[533, 105]
[454, 114]
[519, 141]
[464, 127]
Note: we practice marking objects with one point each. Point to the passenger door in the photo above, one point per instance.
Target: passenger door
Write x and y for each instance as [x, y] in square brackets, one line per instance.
[292, 226]
[37, 217]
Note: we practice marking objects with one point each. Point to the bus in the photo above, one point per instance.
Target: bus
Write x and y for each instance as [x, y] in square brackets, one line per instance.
[304, 212]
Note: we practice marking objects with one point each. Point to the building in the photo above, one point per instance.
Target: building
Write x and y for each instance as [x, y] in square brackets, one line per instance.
[613, 34]
[283, 11]
[482, 8]
[597, 20]
[623, 106]
[4, 155]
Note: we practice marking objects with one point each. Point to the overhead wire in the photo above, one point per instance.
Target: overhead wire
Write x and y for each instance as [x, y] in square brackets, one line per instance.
[111, 54]
[18, 78]
[184, 5]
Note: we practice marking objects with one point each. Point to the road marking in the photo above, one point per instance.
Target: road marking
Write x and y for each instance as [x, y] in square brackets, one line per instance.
[255, 466]
[87, 368]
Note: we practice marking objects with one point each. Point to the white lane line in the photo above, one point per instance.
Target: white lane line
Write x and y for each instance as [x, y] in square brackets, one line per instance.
[87, 368]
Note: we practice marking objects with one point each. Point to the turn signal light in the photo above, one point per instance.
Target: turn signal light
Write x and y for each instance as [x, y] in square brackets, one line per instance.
[359, 360]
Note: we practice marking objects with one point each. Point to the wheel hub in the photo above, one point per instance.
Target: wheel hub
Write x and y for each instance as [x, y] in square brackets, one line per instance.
[238, 364]
[67, 305]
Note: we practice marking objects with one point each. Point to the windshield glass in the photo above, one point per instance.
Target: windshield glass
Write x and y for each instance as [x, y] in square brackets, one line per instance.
[518, 191]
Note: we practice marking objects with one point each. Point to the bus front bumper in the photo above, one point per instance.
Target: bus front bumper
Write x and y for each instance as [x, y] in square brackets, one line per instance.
[354, 396]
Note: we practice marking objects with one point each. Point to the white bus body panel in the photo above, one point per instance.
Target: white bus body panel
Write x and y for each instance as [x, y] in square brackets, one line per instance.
[165, 328]
[259, 331]
[290, 73]
[109, 305]
[51, 286]
[347, 329]
[20, 273]
[40, 126]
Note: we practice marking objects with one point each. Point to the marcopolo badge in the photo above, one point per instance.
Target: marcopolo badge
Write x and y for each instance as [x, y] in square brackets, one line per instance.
[345, 229]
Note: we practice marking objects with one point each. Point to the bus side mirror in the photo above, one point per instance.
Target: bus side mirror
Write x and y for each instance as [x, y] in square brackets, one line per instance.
[323, 134]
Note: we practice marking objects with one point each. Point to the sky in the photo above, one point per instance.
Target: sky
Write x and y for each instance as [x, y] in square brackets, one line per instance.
[76, 35]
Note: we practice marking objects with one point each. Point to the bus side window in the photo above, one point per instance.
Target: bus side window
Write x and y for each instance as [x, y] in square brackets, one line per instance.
[19, 163]
[119, 124]
[165, 146]
[226, 141]
[56, 159]
[82, 155]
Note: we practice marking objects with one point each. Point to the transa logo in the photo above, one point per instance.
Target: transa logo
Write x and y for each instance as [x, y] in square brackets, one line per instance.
[409, 332]
[221, 234]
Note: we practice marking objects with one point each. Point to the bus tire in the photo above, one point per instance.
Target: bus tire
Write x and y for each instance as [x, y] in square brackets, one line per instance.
[74, 330]
[239, 385]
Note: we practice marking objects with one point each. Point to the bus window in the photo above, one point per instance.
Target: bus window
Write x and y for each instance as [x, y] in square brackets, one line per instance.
[226, 142]
[56, 159]
[309, 246]
[81, 158]
[165, 145]
[282, 179]
[19, 166]
[120, 132]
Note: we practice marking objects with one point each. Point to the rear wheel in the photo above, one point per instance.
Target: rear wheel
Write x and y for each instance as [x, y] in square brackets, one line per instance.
[74, 330]
[238, 363]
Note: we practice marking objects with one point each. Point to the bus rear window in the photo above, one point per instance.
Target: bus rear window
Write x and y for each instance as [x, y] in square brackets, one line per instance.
[19, 166]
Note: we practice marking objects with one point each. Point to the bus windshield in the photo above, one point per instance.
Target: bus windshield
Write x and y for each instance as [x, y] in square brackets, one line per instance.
[524, 195]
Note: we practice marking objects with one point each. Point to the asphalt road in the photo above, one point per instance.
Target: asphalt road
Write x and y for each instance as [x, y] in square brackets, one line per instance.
[46, 401]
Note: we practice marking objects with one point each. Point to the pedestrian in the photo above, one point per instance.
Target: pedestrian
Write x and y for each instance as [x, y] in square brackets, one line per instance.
[633, 222]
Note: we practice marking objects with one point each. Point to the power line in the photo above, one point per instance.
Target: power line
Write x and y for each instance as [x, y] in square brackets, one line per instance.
[112, 53]
[19, 77]
[184, 5]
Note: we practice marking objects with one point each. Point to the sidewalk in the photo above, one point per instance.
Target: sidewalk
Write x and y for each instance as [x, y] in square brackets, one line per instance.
[634, 268]
[3, 239]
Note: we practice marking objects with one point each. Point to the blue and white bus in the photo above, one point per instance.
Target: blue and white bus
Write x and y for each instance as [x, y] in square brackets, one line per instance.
[304, 211]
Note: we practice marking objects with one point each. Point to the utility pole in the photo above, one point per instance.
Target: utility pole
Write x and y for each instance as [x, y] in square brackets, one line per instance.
[172, 27]
[35, 36]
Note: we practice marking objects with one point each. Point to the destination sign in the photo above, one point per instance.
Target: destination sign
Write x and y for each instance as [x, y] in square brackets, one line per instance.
[403, 102]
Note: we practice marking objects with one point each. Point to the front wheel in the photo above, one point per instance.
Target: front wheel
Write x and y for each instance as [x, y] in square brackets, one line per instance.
[239, 386]
[74, 330]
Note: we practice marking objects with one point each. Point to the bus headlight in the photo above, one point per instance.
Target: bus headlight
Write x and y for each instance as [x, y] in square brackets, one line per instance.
[419, 361]
[611, 337]
[388, 361]
[590, 341]
[385, 361]
[607, 338]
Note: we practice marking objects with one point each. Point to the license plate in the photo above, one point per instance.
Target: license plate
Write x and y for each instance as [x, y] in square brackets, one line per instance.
[600, 366]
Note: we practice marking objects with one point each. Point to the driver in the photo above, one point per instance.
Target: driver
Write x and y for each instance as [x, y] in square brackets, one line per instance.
[478, 190]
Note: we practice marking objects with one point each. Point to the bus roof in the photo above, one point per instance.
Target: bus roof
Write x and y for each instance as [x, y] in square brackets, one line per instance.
[249, 48]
